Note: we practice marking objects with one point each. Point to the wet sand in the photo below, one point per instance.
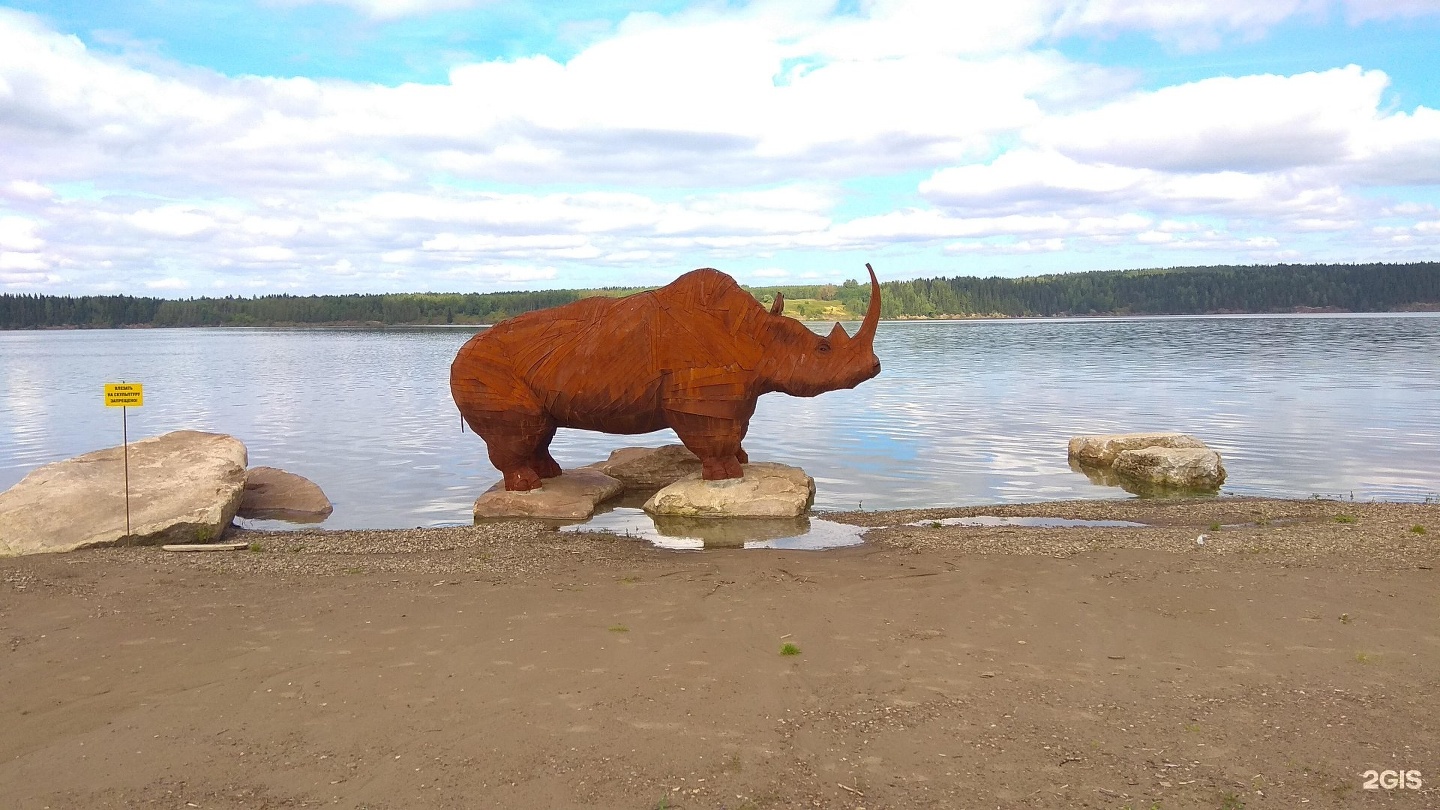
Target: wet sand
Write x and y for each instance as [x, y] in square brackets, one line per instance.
[514, 666]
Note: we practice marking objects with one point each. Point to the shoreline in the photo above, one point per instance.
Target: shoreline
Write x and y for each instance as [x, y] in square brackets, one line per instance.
[512, 665]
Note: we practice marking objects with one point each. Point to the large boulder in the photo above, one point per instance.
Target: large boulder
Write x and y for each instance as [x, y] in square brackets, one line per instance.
[185, 487]
[571, 496]
[1183, 468]
[1101, 450]
[765, 490]
[273, 494]
[649, 468]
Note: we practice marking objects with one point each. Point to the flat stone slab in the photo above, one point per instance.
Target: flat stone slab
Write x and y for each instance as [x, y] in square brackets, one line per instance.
[649, 468]
[274, 494]
[573, 495]
[1187, 468]
[765, 490]
[1101, 450]
[185, 487]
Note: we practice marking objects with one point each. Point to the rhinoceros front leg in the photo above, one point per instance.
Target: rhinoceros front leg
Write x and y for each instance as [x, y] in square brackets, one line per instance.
[710, 410]
[716, 441]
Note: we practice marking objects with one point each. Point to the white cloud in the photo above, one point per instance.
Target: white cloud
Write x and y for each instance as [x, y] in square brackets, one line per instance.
[20, 234]
[726, 133]
[172, 221]
[26, 190]
[22, 261]
[1250, 123]
[267, 253]
[1188, 24]
[1022, 246]
[491, 274]
[1363, 10]
[168, 284]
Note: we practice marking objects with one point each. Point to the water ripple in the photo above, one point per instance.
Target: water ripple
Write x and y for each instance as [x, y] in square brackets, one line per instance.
[965, 413]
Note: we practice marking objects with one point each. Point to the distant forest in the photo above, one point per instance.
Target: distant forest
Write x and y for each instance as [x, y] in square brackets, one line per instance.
[1168, 291]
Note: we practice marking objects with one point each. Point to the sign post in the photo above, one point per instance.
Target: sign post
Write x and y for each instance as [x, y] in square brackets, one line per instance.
[124, 396]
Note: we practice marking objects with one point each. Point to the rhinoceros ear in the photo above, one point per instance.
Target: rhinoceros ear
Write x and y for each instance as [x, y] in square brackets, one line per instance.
[779, 305]
[838, 335]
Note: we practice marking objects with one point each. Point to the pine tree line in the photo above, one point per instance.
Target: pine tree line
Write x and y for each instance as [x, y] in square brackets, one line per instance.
[1170, 291]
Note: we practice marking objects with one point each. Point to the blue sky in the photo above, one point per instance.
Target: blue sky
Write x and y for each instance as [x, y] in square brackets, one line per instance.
[204, 147]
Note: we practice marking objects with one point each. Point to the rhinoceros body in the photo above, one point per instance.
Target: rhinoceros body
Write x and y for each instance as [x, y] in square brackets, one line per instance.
[693, 356]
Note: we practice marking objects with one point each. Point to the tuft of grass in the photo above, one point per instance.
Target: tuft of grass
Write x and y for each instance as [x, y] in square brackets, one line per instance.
[1344, 618]
[619, 628]
[789, 649]
[1192, 727]
[1344, 519]
[1417, 529]
[1364, 658]
[935, 524]
[255, 547]
[1230, 801]
[1215, 527]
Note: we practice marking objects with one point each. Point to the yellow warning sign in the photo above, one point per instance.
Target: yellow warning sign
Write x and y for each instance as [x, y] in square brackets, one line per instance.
[124, 395]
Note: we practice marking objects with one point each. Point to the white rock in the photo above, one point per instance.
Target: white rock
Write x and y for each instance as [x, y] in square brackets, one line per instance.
[1172, 467]
[573, 495]
[184, 488]
[1102, 449]
[764, 490]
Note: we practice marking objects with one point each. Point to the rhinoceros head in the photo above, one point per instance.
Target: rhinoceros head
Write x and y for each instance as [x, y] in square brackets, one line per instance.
[801, 363]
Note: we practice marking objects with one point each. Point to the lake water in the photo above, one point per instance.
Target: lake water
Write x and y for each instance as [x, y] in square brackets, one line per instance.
[964, 413]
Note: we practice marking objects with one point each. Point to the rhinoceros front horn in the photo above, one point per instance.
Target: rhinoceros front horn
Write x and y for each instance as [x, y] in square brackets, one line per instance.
[866, 335]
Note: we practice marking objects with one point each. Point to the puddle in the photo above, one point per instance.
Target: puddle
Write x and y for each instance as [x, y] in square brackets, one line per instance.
[689, 534]
[1030, 522]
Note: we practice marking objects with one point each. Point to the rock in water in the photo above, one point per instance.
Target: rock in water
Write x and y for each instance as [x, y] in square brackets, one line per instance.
[1101, 450]
[184, 488]
[1189, 468]
[273, 494]
[571, 496]
[765, 490]
[649, 468]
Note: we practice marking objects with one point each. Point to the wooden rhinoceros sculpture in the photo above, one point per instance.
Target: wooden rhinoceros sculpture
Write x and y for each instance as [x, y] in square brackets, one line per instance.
[693, 355]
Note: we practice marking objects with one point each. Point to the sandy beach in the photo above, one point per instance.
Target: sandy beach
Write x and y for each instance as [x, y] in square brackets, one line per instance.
[509, 665]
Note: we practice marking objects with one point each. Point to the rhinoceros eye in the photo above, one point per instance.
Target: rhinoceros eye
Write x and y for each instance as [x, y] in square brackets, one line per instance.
[824, 347]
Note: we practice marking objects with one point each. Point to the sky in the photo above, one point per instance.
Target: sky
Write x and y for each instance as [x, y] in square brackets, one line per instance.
[181, 148]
